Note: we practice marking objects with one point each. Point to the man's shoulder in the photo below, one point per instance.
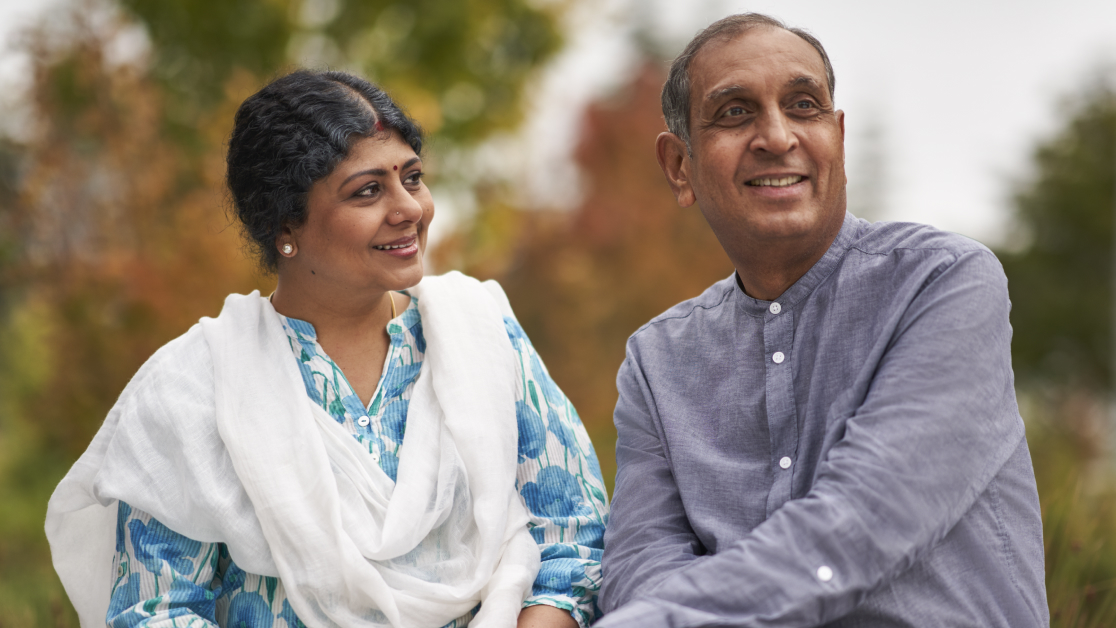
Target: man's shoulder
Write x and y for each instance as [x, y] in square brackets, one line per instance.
[894, 253]
[711, 302]
[885, 238]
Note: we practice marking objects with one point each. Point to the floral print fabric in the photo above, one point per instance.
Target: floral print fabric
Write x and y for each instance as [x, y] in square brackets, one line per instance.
[165, 579]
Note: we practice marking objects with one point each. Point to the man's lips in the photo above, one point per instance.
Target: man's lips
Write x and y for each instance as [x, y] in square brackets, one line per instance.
[775, 181]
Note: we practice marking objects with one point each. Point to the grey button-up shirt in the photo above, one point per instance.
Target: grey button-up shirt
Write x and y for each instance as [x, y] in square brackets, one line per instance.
[850, 454]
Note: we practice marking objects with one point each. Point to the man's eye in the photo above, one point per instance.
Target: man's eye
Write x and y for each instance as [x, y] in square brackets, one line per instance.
[804, 104]
[733, 111]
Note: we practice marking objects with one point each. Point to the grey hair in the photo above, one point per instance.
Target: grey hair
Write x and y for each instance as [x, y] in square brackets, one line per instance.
[676, 90]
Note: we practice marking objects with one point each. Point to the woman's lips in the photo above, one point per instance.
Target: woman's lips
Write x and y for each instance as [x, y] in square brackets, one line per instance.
[403, 247]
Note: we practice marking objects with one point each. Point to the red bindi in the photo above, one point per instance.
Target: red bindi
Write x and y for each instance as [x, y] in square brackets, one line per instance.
[395, 167]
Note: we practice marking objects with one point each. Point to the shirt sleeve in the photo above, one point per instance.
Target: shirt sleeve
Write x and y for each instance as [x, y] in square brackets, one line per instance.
[936, 426]
[161, 578]
[648, 536]
[560, 481]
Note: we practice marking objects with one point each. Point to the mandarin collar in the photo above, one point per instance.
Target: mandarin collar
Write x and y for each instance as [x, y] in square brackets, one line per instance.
[807, 283]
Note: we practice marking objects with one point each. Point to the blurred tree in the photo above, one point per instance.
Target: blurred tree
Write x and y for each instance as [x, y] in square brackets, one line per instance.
[1060, 276]
[1061, 281]
[458, 66]
[582, 282]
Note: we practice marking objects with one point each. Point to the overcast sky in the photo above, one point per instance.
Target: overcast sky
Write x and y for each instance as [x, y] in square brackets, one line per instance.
[955, 92]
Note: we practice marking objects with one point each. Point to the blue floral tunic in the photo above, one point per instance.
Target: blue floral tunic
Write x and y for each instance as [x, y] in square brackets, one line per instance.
[165, 579]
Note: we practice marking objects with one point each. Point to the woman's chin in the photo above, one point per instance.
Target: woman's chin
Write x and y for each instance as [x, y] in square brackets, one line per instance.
[408, 277]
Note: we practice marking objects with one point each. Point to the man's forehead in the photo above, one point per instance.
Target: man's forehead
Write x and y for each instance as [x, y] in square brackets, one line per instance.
[722, 62]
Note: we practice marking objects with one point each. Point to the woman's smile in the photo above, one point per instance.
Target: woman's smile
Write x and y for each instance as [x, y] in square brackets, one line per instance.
[403, 247]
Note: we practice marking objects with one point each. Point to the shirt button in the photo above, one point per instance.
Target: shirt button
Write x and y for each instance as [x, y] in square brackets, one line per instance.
[785, 462]
[363, 421]
[775, 308]
[825, 574]
[778, 357]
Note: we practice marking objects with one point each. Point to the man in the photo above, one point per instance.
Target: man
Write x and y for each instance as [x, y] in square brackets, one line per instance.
[830, 436]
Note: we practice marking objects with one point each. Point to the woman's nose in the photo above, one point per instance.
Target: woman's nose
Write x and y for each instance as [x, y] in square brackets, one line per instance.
[404, 208]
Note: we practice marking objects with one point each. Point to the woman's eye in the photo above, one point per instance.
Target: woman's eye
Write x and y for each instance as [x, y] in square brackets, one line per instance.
[415, 177]
[369, 190]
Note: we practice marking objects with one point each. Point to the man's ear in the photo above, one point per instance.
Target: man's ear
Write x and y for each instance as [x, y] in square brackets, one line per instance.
[674, 159]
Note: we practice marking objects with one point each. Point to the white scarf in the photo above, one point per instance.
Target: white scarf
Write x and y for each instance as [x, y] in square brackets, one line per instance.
[216, 438]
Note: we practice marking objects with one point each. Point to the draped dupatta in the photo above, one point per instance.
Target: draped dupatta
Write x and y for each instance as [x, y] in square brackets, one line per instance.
[216, 437]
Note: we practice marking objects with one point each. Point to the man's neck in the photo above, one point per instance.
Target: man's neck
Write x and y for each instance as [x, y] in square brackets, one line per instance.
[766, 270]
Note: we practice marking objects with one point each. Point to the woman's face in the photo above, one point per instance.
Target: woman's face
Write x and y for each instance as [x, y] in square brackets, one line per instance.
[366, 222]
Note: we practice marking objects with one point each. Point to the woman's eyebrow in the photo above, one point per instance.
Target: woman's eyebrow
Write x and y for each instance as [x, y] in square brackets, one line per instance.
[376, 172]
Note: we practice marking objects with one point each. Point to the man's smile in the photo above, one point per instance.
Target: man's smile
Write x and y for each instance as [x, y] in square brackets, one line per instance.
[777, 182]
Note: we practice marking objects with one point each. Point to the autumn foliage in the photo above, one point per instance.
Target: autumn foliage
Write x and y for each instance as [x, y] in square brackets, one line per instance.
[114, 239]
[581, 282]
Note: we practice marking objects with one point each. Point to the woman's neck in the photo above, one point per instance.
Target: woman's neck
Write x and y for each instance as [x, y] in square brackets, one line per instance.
[343, 309]
[350, 326]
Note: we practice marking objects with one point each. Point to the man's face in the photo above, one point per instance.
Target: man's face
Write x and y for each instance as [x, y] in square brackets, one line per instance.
[768, 158]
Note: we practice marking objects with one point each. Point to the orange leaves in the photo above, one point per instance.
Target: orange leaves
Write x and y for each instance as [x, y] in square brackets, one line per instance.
[582, 282]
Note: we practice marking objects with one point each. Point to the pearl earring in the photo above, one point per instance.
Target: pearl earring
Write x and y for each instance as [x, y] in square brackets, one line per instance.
[288, 249]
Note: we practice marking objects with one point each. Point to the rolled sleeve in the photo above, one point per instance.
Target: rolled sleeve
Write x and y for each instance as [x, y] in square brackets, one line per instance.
[161, 577]
[559, 478]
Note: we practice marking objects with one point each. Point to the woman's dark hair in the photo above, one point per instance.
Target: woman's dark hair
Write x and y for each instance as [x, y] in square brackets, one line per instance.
[294, 132]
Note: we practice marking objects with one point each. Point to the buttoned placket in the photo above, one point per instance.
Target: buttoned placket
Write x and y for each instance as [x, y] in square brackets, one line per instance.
[782, 415]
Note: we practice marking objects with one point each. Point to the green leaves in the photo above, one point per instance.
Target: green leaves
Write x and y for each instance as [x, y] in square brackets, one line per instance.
[459, 67]
[1061, 284]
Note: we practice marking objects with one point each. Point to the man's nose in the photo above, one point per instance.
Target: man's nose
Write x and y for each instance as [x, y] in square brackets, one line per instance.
[774, 134]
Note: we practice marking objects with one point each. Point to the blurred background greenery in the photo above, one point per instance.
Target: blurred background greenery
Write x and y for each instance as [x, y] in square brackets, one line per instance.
[114, 239]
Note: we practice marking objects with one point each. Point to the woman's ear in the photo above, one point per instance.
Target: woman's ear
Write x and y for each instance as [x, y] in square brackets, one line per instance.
[674, 159]
[286, 243]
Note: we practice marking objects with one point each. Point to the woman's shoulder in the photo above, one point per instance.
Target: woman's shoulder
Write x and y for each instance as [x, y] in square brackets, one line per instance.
[184, 362]
[171, 393]
[463, 292]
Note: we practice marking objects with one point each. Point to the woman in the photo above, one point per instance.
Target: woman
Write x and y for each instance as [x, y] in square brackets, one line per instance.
[363, 447]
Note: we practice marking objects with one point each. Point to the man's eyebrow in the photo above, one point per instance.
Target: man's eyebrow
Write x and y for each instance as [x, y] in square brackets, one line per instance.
[799, 81]
[738, 90]
[731, 90]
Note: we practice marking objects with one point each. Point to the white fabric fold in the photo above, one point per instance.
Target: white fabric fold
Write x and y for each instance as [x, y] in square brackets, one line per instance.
[216, 437]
